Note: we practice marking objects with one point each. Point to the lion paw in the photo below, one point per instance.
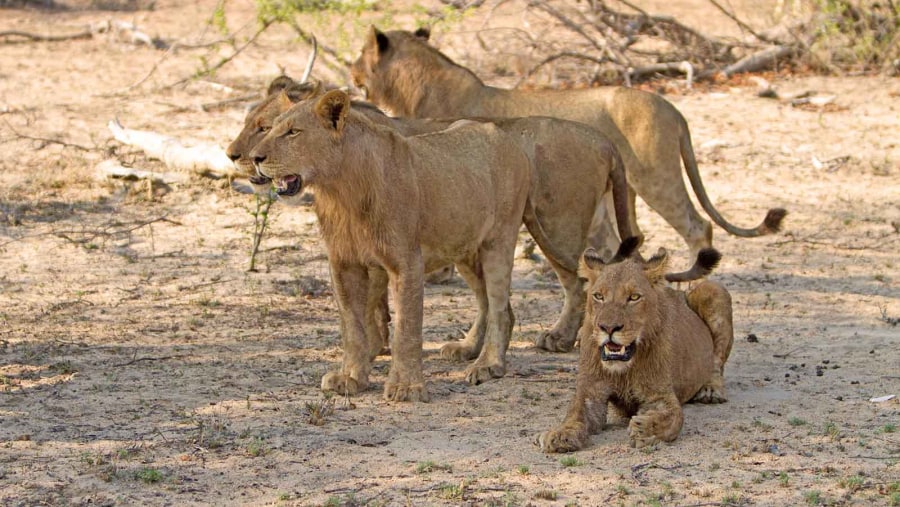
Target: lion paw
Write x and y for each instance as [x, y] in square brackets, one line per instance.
[563, 439]
[640, 431]
[396, 391]
[337, 382]
[553, 342]
[478, 374]
[710, 394]
[458, 351]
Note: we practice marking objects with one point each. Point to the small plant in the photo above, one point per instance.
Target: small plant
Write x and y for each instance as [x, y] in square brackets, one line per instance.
[783, 479]
[545, 494]
[622, 490]
[257, 447]
[452, 491]
[570, 461]
[522, 469]
[731, 499]
[813, 497]
[854, 483]
[318, 411]
[888, 428]
[260, 222]
[148, 475]
[796, 421]
[831, 430]
[424, 467]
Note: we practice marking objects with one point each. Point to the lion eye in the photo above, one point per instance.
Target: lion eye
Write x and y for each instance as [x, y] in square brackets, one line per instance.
[597, 297]
[265, 129]
[634, 297]
[293, 132]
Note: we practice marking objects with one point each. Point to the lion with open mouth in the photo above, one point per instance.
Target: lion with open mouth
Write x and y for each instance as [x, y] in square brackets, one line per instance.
[645, 350]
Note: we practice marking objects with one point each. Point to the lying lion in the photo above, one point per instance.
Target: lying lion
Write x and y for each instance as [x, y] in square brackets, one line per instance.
[408, 205]
[645, 350]
[402, 73]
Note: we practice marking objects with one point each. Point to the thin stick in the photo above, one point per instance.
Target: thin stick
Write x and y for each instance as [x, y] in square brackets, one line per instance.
[265, 25]
[87, 34]
[46, 140]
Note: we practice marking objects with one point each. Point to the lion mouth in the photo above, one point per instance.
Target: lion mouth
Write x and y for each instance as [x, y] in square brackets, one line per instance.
[288, 185]
[611, 351]
[258, 179]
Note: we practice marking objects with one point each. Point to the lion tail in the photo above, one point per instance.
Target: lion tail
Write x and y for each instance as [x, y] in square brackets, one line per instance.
[770, 225]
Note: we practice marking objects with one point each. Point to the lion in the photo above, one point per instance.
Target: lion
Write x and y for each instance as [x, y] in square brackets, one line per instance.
[408, 205]
[575, 169]
[399, 71]
[645, 350]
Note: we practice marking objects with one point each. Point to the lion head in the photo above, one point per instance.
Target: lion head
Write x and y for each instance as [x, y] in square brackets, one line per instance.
[303, 146]
[282, 93]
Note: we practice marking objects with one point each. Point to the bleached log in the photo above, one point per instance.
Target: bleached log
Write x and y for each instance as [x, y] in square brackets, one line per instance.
[199, 158]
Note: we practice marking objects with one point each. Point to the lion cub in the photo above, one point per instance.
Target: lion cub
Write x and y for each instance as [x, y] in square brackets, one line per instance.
[645, 350]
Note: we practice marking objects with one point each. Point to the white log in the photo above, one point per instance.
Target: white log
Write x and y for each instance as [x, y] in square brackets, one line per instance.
[199, 158]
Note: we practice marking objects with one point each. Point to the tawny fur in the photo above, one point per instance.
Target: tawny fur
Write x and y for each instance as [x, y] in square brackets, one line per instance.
[407, 205]
[579, 182]
[402, 73]
[682, 341]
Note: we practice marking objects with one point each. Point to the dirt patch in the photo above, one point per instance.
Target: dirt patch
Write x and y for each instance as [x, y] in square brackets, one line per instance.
[141, 364]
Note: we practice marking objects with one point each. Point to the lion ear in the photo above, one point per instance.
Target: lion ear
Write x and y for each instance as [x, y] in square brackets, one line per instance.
[281, 82]
[422, 33]
[305, 91]
[332, 110]
[655, 268]
[378, 39]
[284, 100]
[590, 263]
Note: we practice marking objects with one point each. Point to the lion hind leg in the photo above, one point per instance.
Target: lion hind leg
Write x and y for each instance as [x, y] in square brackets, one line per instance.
[562, 336]
[497, 263]
[712, 302]
[470, 347]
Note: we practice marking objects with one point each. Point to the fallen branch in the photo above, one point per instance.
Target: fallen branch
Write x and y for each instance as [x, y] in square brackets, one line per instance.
[45, 140]
[202, 158]
[32, 37]
[760, 60]
[139, 359]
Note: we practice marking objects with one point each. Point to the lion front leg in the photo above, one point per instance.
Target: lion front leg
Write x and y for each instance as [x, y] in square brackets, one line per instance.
[406, 380]
[712, 302]
[587, 415]
[351, 288]
[656, 422]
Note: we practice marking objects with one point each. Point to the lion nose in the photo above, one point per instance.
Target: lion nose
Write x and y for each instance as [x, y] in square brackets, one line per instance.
[233, 156]
[610, 330]
[259, 159]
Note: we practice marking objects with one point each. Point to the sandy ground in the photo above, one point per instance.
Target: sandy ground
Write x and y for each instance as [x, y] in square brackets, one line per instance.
[141, 364]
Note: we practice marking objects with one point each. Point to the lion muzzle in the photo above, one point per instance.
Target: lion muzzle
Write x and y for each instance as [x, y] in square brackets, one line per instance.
[289, 185]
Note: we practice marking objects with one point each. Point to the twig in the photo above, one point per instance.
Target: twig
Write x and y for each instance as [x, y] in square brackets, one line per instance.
[139, 359]
[265, 25]
[210, 106]
[565, 54]
[744, 26]
[86, 34]
[783, 356]
[46, 140]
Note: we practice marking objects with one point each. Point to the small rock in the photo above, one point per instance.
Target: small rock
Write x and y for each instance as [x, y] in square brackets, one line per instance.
[752, 338]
